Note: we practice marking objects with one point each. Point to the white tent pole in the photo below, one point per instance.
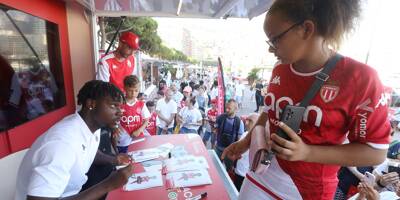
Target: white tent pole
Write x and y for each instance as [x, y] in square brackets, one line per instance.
[178, 11]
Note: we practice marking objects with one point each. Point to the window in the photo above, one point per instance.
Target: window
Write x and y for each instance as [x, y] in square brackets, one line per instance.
[31, 77]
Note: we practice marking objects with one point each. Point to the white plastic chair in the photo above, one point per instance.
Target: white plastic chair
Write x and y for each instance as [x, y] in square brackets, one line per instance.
[9, 166]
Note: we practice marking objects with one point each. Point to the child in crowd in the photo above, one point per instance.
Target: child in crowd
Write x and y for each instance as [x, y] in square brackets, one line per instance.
[210, 126]
[151, 127]
[135, 115]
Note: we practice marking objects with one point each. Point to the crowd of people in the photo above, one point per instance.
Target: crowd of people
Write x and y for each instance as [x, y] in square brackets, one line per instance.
[303, 35]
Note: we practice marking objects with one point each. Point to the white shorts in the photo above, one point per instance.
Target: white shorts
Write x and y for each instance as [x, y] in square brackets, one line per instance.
[275, 180]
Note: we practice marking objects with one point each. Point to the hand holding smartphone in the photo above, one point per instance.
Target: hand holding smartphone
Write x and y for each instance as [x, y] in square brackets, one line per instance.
[292, 117]
[369, 179]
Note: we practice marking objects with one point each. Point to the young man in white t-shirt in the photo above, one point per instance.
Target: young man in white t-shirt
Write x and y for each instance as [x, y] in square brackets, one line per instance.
[56, 164]
[166, 110]
[239, 93]
[190, 117]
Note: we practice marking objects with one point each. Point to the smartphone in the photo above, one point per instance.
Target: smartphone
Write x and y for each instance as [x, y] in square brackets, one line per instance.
[291, 116]
[369, 179]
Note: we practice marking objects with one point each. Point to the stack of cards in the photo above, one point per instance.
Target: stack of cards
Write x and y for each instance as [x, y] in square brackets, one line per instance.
[144, 180]
[178, 151]
[151, 153]
[182, 169]
[185, 163]
[144, 155]
[188, 178]
[152, 165]
[165, 149]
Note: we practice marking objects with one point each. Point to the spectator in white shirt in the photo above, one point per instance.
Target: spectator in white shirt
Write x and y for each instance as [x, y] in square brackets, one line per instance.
[176, 95]
[190, 117]
[166, 110]
[55, 166]
[214, 90]
[239, 93]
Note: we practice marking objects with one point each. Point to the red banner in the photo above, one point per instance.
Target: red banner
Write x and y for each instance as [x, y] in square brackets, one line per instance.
[221, 88]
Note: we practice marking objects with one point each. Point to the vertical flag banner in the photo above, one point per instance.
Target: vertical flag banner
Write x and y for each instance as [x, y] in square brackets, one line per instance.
[221, 88]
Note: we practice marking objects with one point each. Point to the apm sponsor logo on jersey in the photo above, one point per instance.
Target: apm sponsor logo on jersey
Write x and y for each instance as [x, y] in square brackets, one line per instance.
[130, 119]
[329, 92]
[277, 105]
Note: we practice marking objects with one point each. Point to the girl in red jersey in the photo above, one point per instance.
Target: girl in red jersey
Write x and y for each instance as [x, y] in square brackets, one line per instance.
[303, 35]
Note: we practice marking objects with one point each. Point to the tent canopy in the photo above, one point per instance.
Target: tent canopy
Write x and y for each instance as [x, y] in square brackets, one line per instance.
[178, 8]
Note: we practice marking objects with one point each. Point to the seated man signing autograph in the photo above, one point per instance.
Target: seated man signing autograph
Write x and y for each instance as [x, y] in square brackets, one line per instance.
[55, 166]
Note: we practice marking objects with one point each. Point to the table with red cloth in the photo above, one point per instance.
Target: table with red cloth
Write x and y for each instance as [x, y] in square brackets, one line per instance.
[221, 188]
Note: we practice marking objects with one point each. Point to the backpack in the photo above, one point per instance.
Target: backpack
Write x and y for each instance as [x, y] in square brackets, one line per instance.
[225, 139]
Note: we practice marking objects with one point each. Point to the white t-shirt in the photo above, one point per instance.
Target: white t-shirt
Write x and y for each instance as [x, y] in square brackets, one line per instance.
[57, 162]
[190, 116]
[125, 139]
[239, 88]
[166, 109]
[242, 165]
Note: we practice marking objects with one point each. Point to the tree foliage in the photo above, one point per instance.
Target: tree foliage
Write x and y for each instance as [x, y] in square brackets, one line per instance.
[253, 74]
[146, 29]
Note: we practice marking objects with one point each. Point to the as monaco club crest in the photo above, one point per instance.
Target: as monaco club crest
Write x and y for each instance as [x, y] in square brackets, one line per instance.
[329, 92]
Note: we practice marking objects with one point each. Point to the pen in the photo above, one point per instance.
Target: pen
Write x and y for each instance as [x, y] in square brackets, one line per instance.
[200, 196]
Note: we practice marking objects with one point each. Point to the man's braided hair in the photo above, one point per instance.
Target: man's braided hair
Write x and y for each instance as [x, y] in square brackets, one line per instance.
[96, 89]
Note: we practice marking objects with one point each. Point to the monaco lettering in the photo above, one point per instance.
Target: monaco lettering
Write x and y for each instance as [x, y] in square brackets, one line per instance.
[363, 124]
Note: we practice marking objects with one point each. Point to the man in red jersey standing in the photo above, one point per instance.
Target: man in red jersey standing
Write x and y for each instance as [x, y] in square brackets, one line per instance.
[116, 65]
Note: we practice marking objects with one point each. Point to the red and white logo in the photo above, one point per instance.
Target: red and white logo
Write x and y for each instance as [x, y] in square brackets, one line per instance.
[329, 92]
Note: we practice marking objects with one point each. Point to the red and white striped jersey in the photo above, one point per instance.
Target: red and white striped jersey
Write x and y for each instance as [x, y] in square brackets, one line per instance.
[113, 71]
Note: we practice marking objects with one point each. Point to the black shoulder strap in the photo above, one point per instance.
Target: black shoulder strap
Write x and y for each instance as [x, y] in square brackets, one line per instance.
[222, 121]
[236, 127]
[321, 78]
